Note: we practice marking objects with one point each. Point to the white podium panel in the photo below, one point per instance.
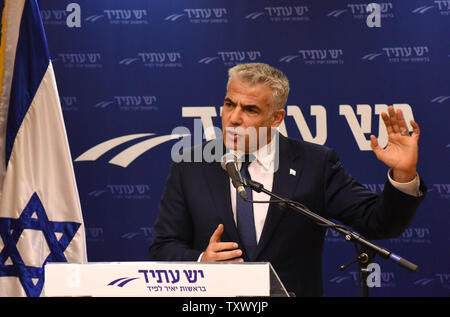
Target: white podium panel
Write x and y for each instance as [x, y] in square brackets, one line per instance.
[174, 279]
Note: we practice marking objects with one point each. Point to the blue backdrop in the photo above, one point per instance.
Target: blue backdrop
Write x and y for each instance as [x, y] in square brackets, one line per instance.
[129, 72]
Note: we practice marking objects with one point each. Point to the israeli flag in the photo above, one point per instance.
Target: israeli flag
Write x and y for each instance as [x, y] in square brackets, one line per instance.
[40, 212]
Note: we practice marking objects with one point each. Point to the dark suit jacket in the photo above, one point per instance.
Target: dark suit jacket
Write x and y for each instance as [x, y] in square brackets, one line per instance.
[197, 199]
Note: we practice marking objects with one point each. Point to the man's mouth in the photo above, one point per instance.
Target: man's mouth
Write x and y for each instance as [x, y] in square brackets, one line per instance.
[232, 132]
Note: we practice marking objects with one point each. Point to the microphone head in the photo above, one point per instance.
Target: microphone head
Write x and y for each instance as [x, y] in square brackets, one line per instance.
[228, 158]
[229, 164]
[242, 193]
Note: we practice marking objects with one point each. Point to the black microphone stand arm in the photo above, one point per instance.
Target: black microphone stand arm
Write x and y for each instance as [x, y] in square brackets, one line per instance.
[349, 235]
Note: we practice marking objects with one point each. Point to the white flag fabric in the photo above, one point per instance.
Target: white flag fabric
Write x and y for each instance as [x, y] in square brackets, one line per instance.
[40, 211]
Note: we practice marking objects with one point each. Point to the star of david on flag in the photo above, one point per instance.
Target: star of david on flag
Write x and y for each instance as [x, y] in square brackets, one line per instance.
[40, 211]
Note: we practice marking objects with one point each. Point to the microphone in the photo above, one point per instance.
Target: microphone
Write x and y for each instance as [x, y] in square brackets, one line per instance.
[229, 163]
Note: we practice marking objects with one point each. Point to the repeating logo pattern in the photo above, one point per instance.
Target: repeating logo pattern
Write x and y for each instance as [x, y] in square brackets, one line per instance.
[154, 59]
[281, 14]
[317, 57]
[200, 15]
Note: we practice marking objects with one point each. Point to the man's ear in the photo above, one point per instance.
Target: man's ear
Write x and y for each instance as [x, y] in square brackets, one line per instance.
[277, 117]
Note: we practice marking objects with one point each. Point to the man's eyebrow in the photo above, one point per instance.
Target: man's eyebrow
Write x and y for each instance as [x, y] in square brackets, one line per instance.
[244, 106]
[229, 100]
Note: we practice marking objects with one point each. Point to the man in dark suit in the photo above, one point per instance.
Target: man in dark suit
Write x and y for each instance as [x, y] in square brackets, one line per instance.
[202, 219]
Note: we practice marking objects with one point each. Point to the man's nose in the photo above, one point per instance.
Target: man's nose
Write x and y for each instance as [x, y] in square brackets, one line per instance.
[236, 116]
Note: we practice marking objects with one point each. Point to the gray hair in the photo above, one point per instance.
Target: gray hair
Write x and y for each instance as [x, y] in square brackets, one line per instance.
[260, 73]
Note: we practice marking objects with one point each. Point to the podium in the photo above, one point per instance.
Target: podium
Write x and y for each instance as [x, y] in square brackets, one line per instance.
[162, 279]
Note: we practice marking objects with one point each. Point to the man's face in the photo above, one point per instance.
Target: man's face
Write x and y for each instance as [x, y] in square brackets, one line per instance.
[247, 115]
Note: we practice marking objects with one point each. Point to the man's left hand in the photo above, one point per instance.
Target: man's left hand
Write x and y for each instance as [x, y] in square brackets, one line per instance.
[401, 152]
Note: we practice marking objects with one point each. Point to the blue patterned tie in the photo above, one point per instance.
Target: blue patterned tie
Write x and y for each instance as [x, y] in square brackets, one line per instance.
[245, 218]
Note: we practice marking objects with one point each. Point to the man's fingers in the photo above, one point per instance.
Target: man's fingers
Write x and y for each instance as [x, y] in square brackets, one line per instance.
[376, 148]
[238, 260]
[374, 142]
[222, 246]
[393, 119]
[387, 122]
[227, 255]
[217, 235]
[401, 120]
[416, 129]
[218, 251]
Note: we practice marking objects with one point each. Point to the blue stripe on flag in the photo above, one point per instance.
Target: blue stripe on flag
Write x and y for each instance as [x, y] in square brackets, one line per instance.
[31, 63]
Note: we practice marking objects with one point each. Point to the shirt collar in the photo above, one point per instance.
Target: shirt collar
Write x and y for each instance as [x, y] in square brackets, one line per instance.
[264, 155]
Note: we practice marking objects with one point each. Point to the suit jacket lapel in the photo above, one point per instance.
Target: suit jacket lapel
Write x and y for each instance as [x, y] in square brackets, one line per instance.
[284, 184]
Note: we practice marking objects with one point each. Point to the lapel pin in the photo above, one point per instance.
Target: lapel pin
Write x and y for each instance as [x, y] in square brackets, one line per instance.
[292, 172]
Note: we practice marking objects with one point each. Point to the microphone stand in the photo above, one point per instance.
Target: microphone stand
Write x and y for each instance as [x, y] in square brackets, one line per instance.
[365, 254]
[364, 258]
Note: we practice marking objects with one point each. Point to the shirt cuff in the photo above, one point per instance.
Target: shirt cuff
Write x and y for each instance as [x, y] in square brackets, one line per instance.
[410, 188]
[200, 257]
